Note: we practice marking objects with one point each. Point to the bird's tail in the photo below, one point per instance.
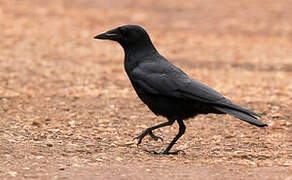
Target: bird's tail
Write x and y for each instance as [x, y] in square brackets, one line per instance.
[247, 117]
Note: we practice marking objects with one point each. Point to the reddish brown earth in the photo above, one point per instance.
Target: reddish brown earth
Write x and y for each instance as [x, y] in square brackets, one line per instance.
[68, 111]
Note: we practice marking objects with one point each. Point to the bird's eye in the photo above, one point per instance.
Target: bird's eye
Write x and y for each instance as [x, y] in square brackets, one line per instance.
[123, 31]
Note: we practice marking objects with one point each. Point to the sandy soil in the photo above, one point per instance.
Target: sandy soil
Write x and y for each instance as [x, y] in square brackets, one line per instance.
[68, 111]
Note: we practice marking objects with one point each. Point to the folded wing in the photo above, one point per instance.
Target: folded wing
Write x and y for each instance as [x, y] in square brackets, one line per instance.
[165, 79]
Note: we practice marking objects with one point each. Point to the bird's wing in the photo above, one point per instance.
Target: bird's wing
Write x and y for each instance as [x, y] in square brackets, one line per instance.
[165, 79]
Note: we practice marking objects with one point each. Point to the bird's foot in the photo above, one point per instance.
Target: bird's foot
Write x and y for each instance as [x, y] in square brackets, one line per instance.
[166, 152]
[153, 136]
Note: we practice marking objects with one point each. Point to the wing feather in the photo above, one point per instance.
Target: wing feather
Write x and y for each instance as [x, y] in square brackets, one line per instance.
[165, 79]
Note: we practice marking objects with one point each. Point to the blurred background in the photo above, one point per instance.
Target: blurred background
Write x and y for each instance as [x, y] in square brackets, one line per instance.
[66, 102]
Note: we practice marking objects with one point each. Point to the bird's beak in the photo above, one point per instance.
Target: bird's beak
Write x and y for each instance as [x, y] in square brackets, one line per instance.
[111, 35]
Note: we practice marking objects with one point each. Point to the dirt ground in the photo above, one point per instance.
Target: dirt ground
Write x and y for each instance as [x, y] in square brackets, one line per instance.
[68, 111]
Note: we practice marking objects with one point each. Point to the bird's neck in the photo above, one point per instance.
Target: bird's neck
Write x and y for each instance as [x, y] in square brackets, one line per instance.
[139, 50]
[135, 54]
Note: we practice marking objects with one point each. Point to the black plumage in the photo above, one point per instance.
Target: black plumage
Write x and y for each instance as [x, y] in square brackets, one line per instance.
[166, 89]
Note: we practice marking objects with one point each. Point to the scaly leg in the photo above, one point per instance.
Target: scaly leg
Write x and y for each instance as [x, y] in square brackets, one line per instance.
[149, 131]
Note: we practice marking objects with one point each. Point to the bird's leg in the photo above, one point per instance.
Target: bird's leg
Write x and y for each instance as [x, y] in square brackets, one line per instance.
[149, 131]
[182, 129]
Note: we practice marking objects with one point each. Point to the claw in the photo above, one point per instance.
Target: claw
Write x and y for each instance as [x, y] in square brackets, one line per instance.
[153, 136]
[141, 136]
[139, 139]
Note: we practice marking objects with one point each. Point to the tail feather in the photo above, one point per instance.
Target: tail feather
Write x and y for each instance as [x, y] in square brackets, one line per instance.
[250, 118]
[228, 104]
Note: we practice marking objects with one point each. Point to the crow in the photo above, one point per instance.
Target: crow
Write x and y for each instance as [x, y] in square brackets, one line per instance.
[166, 89]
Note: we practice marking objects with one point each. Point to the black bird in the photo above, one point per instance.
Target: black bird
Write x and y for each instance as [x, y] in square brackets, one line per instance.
[166, 89]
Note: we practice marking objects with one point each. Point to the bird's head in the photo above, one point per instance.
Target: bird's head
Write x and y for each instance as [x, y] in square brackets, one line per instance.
[127, 36]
